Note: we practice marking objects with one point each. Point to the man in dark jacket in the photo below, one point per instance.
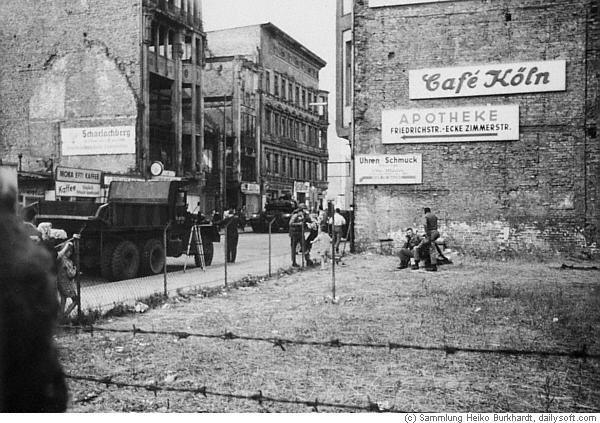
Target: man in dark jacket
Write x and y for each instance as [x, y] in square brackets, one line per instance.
[408, 249]
[231, 222]
[298, 222]
[430, 225]
[31, 378]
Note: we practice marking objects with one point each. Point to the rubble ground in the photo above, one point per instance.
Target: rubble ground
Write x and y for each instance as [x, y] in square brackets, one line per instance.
[513, 305]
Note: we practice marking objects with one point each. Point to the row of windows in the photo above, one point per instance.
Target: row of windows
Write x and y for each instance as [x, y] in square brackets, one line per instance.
[290, 91]
[295, 167]
[163, 42]
[280, 125]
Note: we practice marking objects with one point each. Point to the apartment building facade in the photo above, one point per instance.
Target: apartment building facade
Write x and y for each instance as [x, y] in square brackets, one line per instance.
[485, 111]
[288, 119]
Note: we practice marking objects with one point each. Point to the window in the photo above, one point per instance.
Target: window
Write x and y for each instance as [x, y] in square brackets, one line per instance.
[304, 98]
[276, 164]
[290, 92]
[297, 168]
[347, 59]
[284, 165]
[199, 50]
[346, 6]
[268, 162]
[297, 98]
[268, 82]
[268, 121]
[283, 93]
[276, 85]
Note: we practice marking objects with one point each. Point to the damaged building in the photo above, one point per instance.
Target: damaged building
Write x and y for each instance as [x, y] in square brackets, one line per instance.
[485, 111]
[110, 88]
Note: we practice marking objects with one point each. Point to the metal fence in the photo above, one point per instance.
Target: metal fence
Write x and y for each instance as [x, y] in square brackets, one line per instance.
[259, 255]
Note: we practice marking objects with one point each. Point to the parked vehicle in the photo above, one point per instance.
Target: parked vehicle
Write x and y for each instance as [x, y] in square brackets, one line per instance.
[123, 238]
[280, 210]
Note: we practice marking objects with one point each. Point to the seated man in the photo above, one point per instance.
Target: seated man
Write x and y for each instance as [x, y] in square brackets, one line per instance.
[408, 249]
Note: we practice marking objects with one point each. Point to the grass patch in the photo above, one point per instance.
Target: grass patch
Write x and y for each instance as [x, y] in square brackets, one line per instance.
[475, 304]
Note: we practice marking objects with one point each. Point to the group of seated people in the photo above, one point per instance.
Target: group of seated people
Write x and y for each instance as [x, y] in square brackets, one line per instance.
[417, 249]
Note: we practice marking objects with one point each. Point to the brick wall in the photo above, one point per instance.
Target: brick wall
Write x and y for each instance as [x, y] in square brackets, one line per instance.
[70, 63]
[537, 194]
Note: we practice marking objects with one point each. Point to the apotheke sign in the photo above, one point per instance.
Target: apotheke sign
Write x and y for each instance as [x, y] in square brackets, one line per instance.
[380, 3]
[388, 169]
[457, 124]
[490, 79]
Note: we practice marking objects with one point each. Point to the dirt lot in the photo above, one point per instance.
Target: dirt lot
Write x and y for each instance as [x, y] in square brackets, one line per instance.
[513, 305]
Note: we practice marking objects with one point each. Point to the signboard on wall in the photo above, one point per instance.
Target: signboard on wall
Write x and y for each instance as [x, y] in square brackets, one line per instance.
[250, 188]
[456, 124]
[69, 174]
[388, 169]
[489, 79]
[380, 3]
[98, 140]
[77, 189]
[301, 186]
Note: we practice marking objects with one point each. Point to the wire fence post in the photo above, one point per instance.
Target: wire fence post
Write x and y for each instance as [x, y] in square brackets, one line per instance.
[332, 265]
[270, 231]
[165, 287]
[302, 243]
[76, 247]
[226, 251]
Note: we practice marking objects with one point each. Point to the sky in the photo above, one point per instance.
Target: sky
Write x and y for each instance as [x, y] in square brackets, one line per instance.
[310, 22]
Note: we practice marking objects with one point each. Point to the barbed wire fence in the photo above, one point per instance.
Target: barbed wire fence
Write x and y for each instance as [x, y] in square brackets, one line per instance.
[205, 392]
[281, 343]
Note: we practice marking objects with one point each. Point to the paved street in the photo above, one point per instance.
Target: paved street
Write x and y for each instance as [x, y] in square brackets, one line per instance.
[252, 259]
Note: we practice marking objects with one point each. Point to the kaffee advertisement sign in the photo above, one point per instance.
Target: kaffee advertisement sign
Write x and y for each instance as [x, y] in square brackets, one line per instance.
[69, 174]
[456, 124]
[388, 169]
[489, 79]
[77, 189]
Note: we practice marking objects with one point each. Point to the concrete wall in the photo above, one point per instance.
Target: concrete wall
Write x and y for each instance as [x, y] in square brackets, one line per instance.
[68, 63]
[538, 194]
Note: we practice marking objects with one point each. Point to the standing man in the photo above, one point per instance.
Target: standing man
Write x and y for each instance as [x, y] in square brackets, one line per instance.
[408, 249]
[430, 224]
[338, 221]
[231, 224]
[298, 221]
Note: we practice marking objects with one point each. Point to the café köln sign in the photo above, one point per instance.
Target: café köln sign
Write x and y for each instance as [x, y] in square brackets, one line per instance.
[488, 79]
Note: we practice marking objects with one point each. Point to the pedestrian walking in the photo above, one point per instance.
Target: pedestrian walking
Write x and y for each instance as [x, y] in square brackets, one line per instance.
[298, 221]
[338, 222]
[231, 224]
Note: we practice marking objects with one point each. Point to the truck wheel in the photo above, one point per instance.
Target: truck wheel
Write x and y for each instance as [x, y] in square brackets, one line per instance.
[153, 257]
[125, 261]
[209, 252]
[106, 261]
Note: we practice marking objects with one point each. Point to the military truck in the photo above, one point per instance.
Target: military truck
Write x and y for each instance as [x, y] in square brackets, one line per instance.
[281, 210]
[123, 238]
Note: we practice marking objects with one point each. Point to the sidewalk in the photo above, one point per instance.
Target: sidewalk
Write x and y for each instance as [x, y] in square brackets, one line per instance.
[104, 296]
